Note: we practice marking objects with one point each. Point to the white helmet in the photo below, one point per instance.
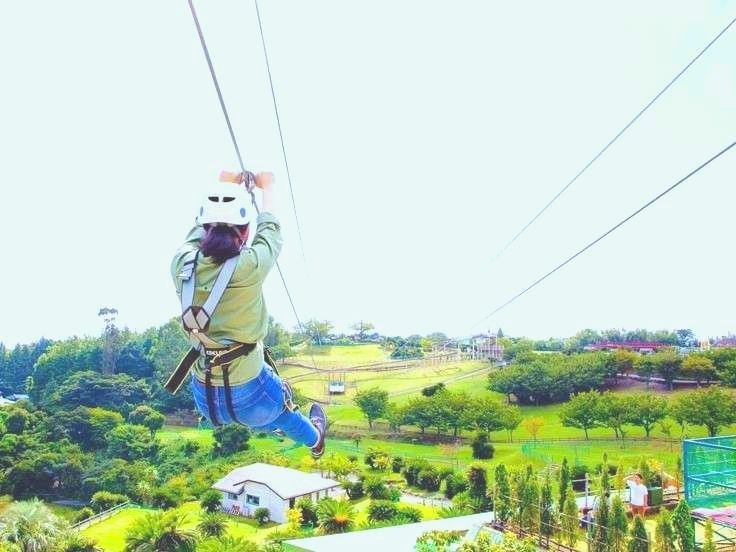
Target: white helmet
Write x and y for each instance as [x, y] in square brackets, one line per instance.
[227, 203]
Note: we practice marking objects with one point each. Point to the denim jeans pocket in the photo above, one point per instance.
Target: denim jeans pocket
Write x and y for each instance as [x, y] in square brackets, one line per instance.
[259, 411]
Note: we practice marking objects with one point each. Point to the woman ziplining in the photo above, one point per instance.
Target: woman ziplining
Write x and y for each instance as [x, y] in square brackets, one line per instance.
[219, 281]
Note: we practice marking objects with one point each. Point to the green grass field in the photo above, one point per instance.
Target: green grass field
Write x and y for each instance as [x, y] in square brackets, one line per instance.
[110, 533]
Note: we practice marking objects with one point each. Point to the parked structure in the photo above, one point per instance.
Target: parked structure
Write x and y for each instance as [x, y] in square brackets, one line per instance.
[265, 486]
[638, 346]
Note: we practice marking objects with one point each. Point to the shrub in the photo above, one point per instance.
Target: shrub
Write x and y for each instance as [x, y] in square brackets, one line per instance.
[412, 469]
[262, 515]
[84, 513]
[212, 525]
[455, 483]
[394, 495]
[429, 479]
[433, 389]
[482, 447]
[354, 490]
[309, 511]
[102, 500]
[444, 471]
[397, 463]
[210, 500]
[380, 510]
[375, 488]
[578, 472]
[165, 498]
[410, 513]
[353, 458]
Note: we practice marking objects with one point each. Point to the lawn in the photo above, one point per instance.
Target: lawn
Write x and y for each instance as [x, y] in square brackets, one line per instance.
[340, 356]
[110, 533]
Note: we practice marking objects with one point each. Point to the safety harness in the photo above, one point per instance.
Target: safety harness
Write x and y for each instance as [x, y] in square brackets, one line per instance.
[196, 322]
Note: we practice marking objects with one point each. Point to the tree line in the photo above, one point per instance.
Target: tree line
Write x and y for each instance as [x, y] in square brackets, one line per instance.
[544, 378]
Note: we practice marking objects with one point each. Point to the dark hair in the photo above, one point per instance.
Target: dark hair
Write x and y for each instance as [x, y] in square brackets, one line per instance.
[221, 242]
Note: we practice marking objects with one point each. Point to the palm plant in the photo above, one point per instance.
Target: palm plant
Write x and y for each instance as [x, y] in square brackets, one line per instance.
[74, 542]
[31, 527]
[231, 544]
[335, 516]
[212, 525]
[160, 532]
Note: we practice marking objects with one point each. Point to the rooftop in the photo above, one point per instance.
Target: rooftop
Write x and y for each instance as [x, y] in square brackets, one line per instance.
[402, 537]
[285, 482]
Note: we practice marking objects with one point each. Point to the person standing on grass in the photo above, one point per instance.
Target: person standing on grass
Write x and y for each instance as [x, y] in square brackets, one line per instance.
[638, 492]
[219, 282]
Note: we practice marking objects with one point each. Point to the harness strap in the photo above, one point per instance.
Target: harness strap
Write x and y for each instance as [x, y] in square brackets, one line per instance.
[210, 392]
[177, 377]
[228, 394]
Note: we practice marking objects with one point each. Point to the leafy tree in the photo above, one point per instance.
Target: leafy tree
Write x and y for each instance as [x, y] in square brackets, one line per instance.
[624, 361]
[510, 420]
[88, 427]
[373, 403]
[93, 389]
[160, 532]
[502, 494]
[602, 537]
[317, 330]
[613, 412]
[487, 414]
[646, 410]
[619, 524]
[17, 420]
[639, 538]
[569, 521]
[529, 503]
[547, 525]
[664, 534]
[684, 527]
[564, 483]
[646, 367]
[230, 439]
[418, 412]
[581, 411]
[362, 328]
[533, 425]
[211, 501]
[668, 364]
[335, 516]
[147, 417]
[713, 408]
[698, 367]
[131, 442]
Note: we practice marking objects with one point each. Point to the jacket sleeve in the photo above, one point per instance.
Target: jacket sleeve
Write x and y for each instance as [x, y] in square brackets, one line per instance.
[263, 252]
[191, 243]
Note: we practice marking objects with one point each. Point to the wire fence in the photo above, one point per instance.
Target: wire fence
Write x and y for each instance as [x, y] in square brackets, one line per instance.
[101, 516]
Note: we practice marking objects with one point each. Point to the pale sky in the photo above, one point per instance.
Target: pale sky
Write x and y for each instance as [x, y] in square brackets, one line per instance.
[421, 136]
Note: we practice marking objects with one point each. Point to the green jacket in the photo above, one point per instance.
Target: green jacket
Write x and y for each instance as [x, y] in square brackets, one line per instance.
[241, 315]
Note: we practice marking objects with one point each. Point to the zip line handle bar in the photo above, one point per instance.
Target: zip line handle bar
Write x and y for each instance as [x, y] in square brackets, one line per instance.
[247, 178]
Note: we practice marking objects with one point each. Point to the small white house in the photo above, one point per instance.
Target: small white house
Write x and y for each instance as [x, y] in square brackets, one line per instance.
[265, 486]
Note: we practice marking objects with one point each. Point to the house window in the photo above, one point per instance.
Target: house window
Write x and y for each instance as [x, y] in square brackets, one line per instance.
[253, 500]
[232, 496]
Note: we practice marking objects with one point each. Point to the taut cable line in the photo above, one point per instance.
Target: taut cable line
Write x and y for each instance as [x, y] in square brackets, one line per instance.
[237, 149]
[612, 141]
[608, 232]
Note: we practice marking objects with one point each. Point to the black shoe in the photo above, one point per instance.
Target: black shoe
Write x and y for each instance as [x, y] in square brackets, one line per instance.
[319, 420]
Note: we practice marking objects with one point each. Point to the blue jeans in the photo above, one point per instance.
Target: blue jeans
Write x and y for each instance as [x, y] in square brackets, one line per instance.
[260, 404]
